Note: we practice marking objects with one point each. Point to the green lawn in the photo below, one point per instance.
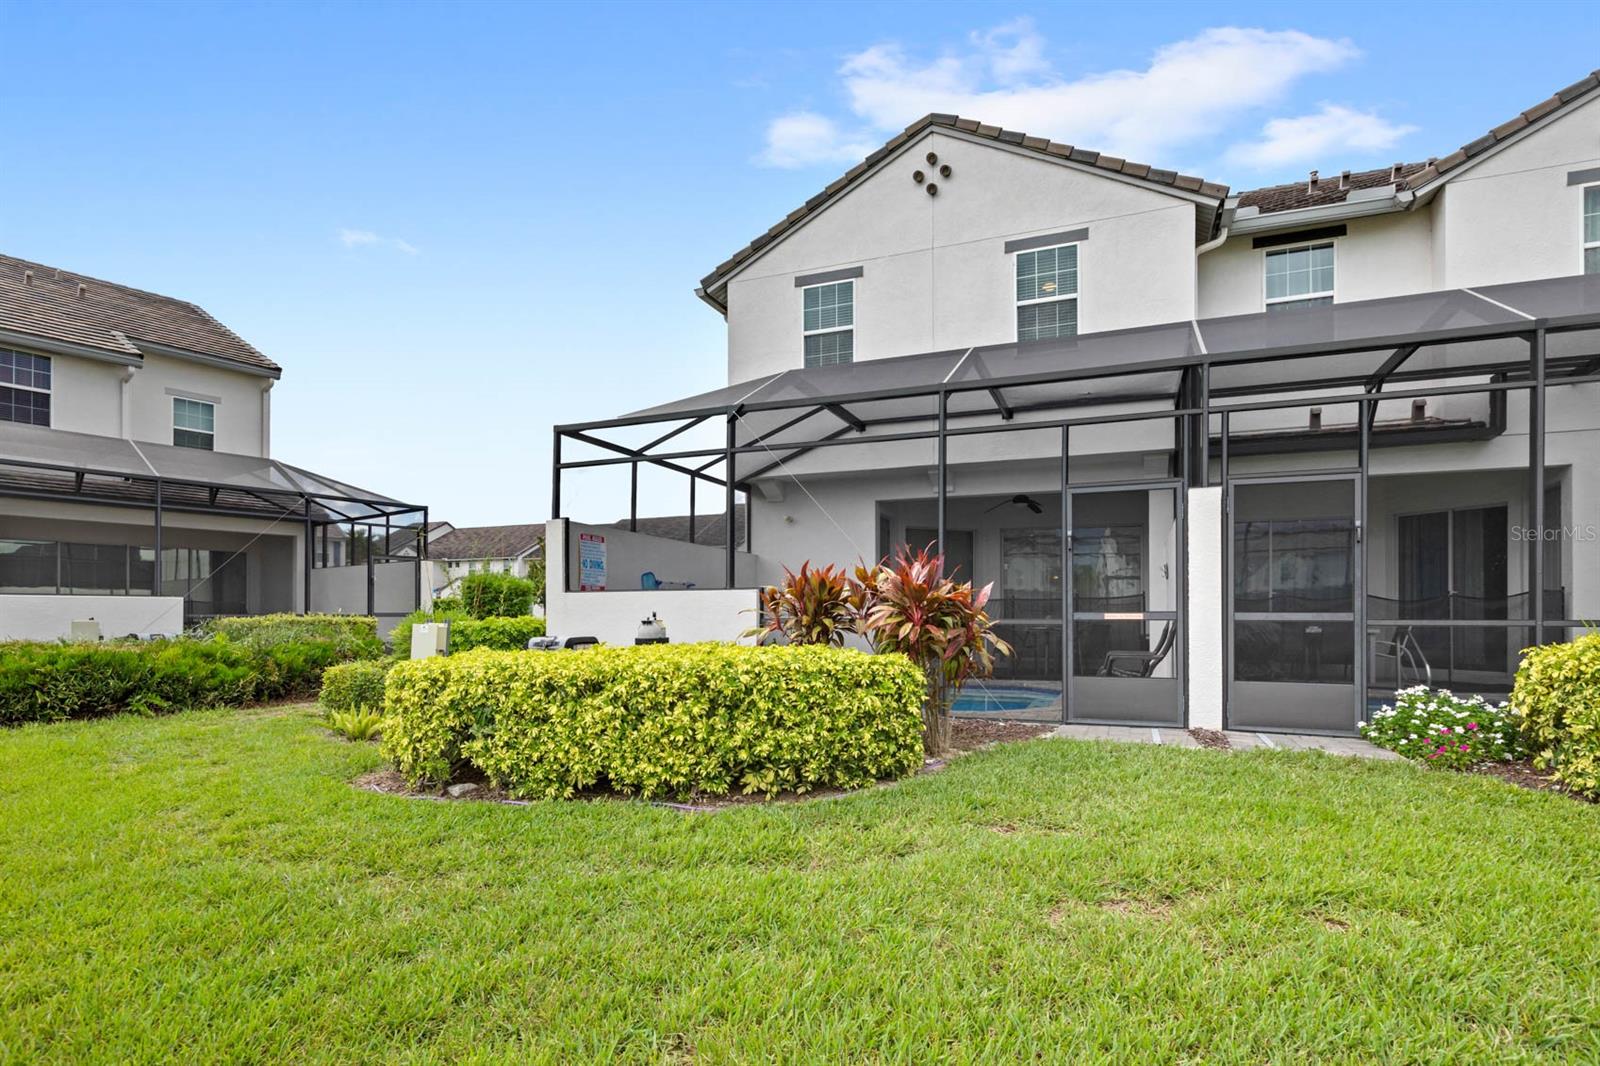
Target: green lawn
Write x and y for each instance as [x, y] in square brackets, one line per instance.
[208, 887]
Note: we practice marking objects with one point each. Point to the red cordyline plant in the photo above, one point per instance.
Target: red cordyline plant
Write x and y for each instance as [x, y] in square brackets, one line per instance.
[911, 608]
[815, 606]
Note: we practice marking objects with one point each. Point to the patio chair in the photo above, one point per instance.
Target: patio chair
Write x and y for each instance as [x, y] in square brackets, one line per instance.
[1404, 651]
[1140, 663]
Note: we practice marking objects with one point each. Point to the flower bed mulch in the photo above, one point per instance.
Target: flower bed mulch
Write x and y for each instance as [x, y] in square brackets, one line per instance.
[1211, 738]
[1524, 774]
[970, 734]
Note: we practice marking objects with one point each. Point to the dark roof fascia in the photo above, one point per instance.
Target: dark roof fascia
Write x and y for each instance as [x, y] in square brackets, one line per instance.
[154, 348]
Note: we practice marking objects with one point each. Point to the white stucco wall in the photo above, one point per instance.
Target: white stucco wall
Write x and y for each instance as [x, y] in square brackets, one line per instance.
[1512, 216]
[51, 617]
[112, 400]
[237, 396]
[691, 615]
[1387, 255]
[86, 394]
[936, 273]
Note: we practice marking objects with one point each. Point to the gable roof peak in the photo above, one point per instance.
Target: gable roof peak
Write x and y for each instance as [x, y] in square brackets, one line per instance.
[972, 127]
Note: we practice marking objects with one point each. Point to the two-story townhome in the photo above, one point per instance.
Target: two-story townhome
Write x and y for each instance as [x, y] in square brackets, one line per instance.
[1248, 459]
[137, 484]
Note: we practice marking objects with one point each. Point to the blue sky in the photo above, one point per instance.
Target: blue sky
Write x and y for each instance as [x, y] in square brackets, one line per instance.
[455, 225]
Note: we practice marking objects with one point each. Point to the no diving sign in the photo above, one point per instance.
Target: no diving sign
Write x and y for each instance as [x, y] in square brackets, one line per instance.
[591, 562]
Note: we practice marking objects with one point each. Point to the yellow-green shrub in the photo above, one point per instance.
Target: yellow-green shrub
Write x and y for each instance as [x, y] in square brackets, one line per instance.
[354, 636]
[658, 720]
[354, 686]
[1557, 702]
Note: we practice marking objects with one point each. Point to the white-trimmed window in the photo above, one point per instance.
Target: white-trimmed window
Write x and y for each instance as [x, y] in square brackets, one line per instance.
[194, 423]
[1299, 277]
[1047, 293]
[24, 388]
[830, 318]
[1591, 229]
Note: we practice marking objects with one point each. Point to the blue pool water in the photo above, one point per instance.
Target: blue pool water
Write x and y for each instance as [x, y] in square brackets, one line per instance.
[997, 699]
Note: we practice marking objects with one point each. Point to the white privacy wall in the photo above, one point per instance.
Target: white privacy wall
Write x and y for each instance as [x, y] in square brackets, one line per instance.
[1205, 624]
[613, 616]
[42, 617]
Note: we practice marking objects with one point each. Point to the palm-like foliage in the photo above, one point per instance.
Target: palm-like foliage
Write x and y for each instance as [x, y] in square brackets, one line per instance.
[814, 606]
[911, 607]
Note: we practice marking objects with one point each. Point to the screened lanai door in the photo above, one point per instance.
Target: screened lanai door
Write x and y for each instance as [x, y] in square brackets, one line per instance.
[1296, 553]
[1124, 643]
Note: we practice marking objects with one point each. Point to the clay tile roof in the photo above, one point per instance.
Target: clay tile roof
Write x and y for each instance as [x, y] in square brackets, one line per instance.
[1042, 145]
[487, 542]
[57, 305]
[1509, 128]
[1327, 190]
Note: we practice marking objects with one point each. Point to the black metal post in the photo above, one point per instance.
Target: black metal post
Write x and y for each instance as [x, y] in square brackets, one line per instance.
[310, 536]
[1222, 448]
[1203, 423]
[943, 473]
[1066, 570]
[372, 578]
[727, 491]
[155, 581]
[1363, 639]
[555, 480]
[1536, 419]
[633, 496]
[692, 483]
[422, 555]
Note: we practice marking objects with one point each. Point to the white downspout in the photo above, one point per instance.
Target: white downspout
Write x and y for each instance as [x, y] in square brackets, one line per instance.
[125, 403]
[266, 419]
[1201, 249]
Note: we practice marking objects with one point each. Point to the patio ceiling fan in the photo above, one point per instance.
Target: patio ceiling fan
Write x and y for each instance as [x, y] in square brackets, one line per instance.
[1019, 500]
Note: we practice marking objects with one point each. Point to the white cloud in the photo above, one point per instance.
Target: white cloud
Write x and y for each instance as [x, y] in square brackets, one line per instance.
[365, 238]
[1190, 92]
[804, 137]
[1321, 136]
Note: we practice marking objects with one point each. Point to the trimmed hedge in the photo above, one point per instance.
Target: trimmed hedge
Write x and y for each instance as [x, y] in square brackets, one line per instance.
[355, 686]
[658, 720]
[1556, 699]
[354, 635]
[466, 632]
[496, 595]
[52, 682]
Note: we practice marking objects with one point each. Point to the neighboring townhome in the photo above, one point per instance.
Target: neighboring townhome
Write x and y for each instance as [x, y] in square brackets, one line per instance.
[483, 549]
[1246, 459]
[137, 479]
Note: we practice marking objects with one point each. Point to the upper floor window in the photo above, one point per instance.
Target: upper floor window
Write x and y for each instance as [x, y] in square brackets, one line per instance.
[194, 423]
[1591, 229]
[24, 388]
[830, 315]
[1300, 277]
[1047, 293]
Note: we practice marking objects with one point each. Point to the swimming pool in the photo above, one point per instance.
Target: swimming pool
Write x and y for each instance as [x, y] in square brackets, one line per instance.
[978, 698]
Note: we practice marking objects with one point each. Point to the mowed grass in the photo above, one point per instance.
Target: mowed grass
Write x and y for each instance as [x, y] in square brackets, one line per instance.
[209, 887]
